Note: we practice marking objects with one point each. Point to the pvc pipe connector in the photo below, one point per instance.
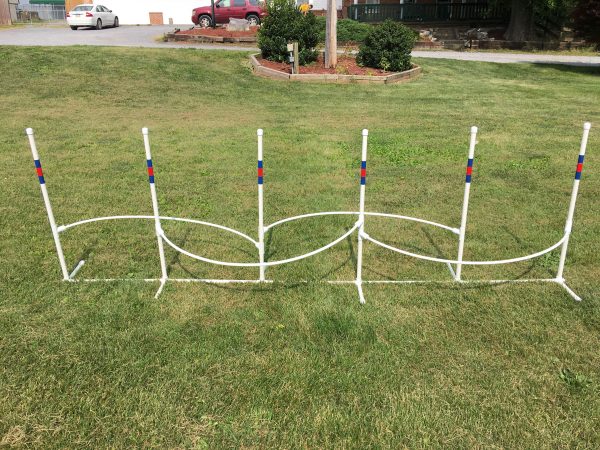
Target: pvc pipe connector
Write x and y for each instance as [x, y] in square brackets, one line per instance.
[587, 126]
[144, 130]
[365, 132]
[473, 129]
[259, 132]
[29, 131]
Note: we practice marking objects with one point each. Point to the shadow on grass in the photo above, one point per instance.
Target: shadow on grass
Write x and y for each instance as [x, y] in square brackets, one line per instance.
[578, 68]
[324, 276]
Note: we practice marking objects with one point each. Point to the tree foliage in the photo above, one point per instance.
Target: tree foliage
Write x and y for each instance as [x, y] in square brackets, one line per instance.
[586, 20]
[525, 14]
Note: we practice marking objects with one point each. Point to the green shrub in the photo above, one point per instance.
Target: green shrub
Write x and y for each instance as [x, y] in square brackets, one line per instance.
[387, 47]
[285, 23]
[348, 30]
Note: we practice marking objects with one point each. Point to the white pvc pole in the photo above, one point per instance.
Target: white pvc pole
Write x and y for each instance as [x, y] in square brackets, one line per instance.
[38, 168]
[569, 224]
[361, 215]
[465, 208]
[261, 227]
[157, 227]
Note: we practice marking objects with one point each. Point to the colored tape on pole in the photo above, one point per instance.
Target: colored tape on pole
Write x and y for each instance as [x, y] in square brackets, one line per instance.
[579, 167]
[363, 172]
[260, 172]
[38, 169]
[150, 170]
[469, 170]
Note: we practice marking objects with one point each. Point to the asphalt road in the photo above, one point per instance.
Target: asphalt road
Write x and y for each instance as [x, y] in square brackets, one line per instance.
[148, 36]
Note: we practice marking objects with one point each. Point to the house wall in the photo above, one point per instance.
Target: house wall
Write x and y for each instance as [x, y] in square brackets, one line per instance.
[137, 12]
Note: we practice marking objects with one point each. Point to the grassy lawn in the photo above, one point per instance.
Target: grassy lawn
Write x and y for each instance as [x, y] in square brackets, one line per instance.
[294, 365]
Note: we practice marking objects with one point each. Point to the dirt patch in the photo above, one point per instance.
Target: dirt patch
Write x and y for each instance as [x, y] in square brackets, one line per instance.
[346, 65]
[218, 32]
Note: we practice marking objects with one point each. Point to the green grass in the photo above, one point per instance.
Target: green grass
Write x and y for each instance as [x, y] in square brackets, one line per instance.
[294, 365]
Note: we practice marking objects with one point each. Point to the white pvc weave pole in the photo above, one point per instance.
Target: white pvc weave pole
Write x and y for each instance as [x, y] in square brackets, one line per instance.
[465, 208]
[569, 224]
[361, 215]
[157, 227]
[40, 174]
[261, 225]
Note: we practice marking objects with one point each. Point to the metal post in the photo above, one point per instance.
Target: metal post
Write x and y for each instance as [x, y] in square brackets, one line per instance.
[361, 215]
[261, 228]
[569, 224]
[157, 227]
[465, 208]
[38, 168]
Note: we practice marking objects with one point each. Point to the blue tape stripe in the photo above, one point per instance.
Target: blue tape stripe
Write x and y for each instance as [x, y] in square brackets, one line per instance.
[149, 162]
[363, 180]
[470, 162]
[580, 160]
[42, 181]
[260, 164]
[578, 175]
[468, 179]
[363, 164]
[260, 180]
[38, 164]
[151, 178]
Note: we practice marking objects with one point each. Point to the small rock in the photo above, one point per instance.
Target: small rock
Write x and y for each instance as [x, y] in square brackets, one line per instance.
[238, 25]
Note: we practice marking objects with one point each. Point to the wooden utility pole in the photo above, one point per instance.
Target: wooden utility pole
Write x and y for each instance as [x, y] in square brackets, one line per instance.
[331, 35]
[296, 58]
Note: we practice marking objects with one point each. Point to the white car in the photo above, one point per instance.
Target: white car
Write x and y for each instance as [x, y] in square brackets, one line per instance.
[96, 16]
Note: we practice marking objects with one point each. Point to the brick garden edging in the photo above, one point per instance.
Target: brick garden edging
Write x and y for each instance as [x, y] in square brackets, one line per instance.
[396, 77]
[177, 37]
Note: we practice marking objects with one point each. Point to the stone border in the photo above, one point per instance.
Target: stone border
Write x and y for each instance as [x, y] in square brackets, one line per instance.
[396, 77]
[176, 37]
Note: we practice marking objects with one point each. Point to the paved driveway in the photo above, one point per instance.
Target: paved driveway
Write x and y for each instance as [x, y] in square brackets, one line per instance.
[146, 36]
[123, 36]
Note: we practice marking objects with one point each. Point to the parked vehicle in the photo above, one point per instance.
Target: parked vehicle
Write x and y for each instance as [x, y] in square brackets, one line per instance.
[251, 10]
[96, 16]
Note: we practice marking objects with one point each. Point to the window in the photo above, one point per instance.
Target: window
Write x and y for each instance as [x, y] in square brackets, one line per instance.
[254, 2]
[100, 8]
[83, 8]
[239, 2]
[225, 3]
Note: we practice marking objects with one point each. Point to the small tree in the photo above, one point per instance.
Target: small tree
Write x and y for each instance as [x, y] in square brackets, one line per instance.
[285, 23]
[388, 47]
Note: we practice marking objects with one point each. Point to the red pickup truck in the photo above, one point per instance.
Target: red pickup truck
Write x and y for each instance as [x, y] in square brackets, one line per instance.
[251, 10]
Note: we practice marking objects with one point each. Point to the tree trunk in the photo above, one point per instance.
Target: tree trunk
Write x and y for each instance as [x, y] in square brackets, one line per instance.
[520, 27]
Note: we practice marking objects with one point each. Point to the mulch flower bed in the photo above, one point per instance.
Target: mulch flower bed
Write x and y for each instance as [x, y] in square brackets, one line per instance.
[346, 65]
[219, 32]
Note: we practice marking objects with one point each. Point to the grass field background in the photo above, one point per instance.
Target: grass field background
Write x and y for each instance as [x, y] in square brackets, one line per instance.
[294, 365]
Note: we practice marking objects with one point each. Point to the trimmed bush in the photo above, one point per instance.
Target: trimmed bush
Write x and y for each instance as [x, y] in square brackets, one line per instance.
[348, 30]
[285, 23]
[387, 47]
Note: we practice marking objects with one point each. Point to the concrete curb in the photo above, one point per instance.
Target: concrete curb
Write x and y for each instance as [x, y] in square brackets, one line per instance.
[396, 77]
